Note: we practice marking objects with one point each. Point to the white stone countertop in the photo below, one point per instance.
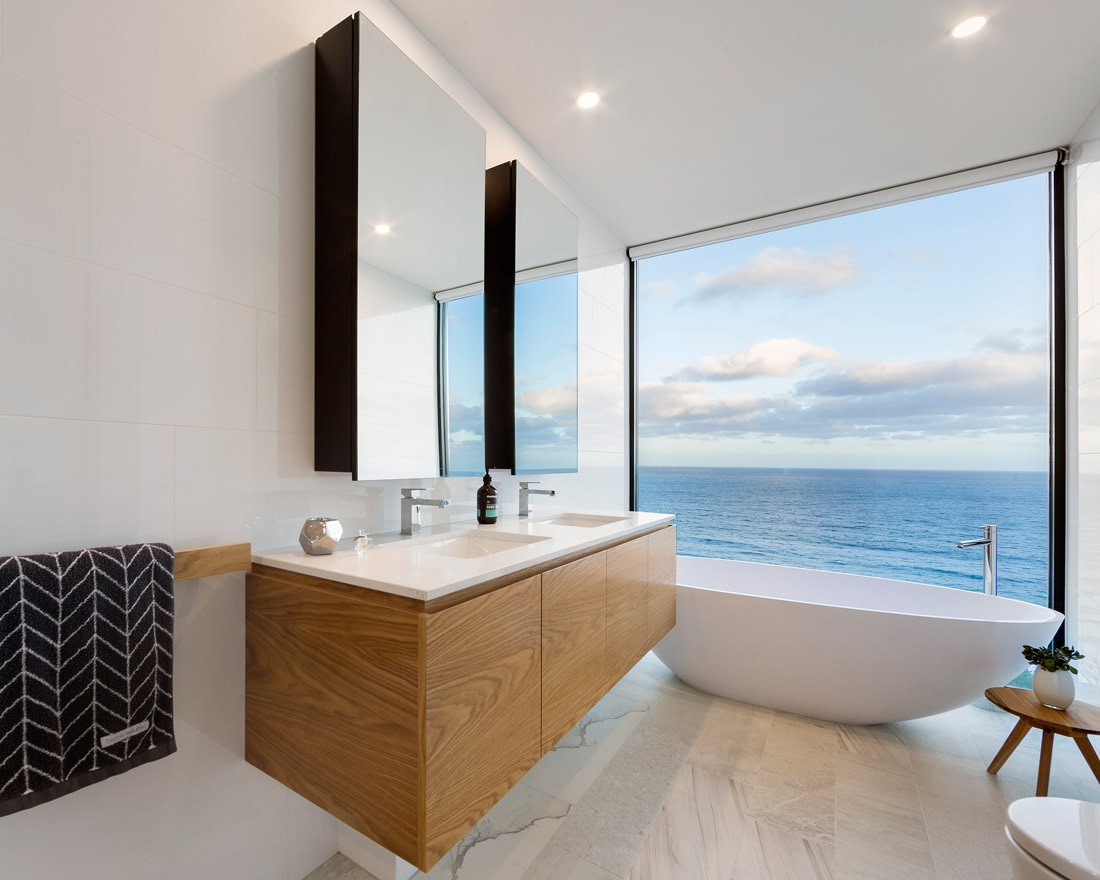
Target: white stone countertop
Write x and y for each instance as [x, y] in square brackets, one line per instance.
[421, 567]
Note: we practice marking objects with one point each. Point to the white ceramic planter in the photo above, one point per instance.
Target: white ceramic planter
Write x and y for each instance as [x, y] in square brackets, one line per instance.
[1054, 689]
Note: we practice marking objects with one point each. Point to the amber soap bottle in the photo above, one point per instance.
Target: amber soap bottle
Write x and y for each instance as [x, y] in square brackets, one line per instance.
[487, 502]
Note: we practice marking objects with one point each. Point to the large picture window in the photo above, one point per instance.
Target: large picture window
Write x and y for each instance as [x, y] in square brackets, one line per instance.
[859, 392]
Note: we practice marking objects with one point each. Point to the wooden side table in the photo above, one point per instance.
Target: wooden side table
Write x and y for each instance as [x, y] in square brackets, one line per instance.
[1077, 722]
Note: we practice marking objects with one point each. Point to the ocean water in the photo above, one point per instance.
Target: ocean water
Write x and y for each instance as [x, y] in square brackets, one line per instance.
[885, 523]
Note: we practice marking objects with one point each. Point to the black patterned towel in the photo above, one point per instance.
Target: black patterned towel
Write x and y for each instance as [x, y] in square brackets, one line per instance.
[85, 668]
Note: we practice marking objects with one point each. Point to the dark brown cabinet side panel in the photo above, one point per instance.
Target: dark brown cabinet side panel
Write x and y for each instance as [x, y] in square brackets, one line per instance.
[336, 232]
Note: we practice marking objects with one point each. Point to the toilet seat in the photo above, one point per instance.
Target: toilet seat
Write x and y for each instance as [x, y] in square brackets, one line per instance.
[1024, 866]
[1062, 834]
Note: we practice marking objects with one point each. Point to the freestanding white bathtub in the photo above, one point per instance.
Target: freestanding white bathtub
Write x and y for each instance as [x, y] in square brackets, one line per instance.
[845, 648]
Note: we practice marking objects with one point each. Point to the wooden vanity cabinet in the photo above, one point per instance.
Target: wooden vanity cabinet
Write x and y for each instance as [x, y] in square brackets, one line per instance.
[627, 607]
[408, 720]
[405, 725]
[662, 583]
[482, 707]
[332, 700]
[574, 627]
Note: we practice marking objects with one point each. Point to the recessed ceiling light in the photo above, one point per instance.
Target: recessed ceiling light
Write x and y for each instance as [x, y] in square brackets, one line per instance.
[968, 27]
[588, 100]
[382, 228]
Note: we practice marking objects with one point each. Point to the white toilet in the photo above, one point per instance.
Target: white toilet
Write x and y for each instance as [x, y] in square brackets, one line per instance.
[1054, 837]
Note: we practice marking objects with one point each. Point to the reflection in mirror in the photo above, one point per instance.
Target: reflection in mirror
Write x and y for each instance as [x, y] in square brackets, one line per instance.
[397, 434]
[463, 353]
[546, 330]
[546, 230]
[421, 159]
[420, 156]
[400, 215]
[531, 326]
[546, 375]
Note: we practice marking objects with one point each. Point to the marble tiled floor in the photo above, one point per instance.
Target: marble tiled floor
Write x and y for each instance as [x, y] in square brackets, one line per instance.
[662, 781]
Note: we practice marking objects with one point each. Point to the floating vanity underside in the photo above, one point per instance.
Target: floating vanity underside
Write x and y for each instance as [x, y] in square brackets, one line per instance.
[408, 719]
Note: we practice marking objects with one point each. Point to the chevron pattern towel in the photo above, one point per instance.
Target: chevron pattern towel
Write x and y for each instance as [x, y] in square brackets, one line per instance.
[85, 668]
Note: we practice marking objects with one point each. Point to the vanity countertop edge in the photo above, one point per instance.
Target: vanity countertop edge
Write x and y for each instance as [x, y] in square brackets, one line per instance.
[396, 568]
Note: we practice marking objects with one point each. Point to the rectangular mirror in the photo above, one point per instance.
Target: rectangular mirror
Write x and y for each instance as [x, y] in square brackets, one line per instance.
[400, 217]
[530, 326]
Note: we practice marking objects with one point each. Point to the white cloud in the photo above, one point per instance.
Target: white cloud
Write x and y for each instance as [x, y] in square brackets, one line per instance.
[794, 270]
[989, 391]
[462, 417]
[1018, 341]
[1024, 374]
[772, 357]
[523, 379]
[687, 401]
[551, 400]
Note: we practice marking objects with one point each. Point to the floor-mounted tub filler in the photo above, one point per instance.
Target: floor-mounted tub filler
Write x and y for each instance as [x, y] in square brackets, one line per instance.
[842, 647]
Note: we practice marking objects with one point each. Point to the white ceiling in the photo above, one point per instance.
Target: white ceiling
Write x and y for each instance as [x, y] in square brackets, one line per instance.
[716, 111]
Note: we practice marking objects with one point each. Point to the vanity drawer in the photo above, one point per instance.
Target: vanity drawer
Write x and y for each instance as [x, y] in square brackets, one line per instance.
[627, 607]
[574, 643]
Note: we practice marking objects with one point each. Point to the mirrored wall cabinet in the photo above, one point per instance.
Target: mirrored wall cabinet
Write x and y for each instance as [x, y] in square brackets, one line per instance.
[530, 326]
[400, 204]
[446, 296]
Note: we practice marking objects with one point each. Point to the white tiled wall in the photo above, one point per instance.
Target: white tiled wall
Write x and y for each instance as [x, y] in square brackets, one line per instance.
[1083, 269]
[156, 349]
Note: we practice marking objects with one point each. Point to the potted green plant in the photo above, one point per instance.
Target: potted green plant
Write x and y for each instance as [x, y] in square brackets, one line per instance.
[1053, 683]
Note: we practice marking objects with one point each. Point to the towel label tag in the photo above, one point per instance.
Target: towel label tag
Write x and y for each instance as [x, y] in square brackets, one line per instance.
[113, 738]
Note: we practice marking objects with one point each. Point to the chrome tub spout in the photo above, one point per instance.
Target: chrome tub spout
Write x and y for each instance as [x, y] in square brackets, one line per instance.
[989, 557]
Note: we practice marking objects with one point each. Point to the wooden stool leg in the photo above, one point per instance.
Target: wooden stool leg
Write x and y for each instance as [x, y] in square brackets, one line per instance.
[1014, 739]
[1044, 764]
[1090, 755]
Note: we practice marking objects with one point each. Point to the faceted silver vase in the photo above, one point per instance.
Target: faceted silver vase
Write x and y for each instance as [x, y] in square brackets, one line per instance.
[320, 534]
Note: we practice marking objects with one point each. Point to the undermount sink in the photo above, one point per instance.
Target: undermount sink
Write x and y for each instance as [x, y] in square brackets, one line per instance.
[473, 544]
[580, 520]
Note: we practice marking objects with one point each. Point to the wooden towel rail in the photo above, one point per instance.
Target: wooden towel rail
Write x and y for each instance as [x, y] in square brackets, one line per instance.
[209, 561]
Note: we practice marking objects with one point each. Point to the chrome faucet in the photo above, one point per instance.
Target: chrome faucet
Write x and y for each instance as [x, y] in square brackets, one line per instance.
[410, 509]
[525, 493]
[989, 558]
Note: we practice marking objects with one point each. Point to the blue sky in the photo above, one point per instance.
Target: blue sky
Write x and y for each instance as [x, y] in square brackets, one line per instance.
[913, 336]
[466, 384]
[545, 371]
[546, 375]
